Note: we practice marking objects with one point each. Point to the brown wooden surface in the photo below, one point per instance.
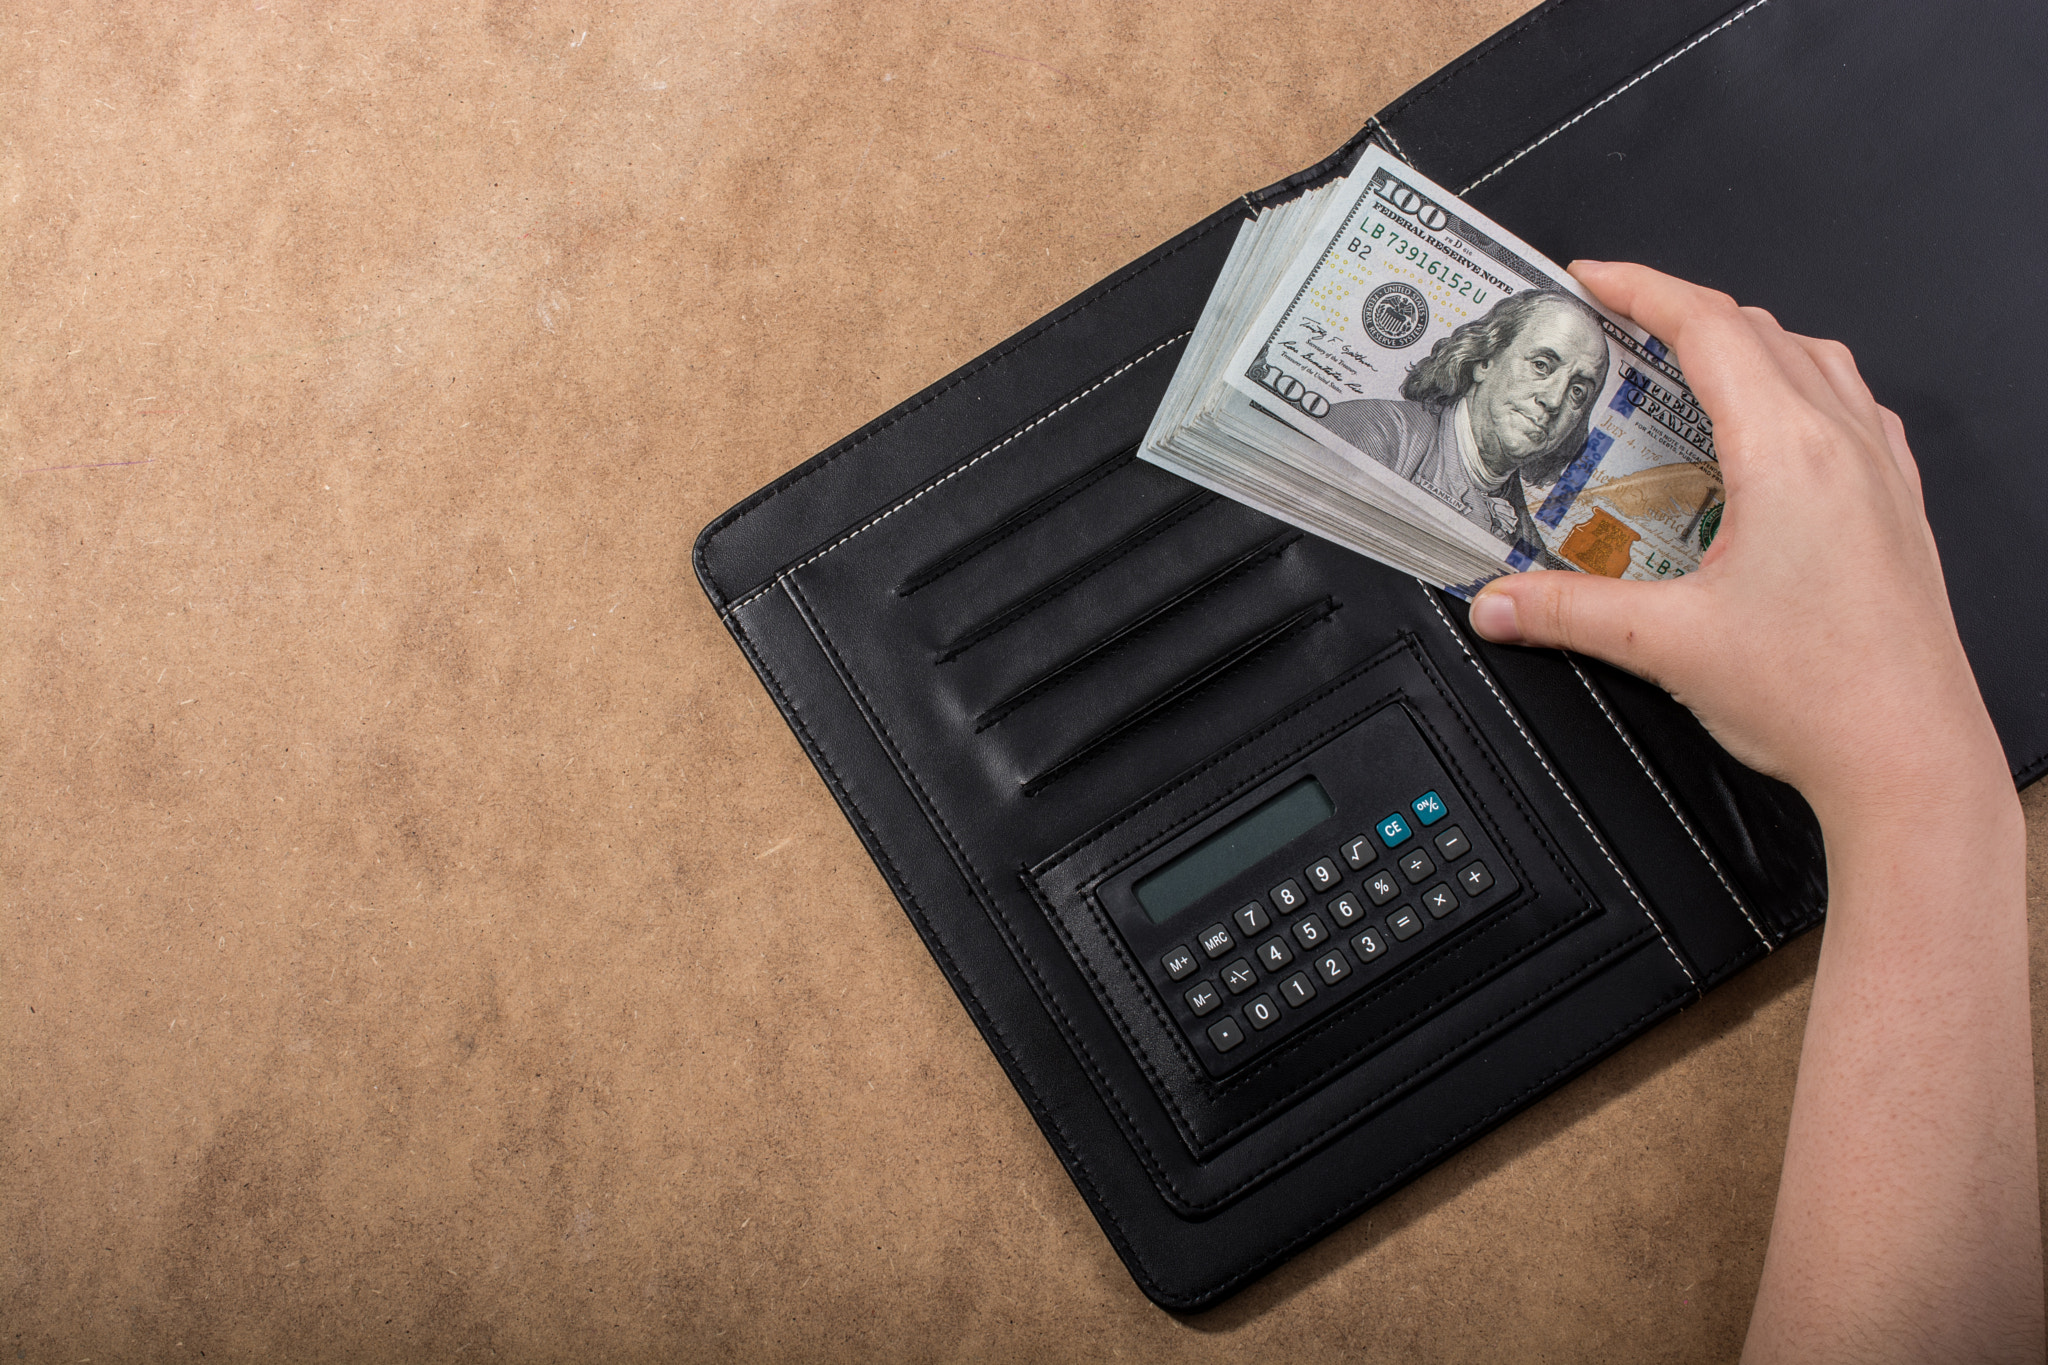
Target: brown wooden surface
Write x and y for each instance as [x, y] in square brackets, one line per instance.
[422, 938]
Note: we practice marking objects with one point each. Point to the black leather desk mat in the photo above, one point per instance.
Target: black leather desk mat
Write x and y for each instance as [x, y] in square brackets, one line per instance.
[980, 615]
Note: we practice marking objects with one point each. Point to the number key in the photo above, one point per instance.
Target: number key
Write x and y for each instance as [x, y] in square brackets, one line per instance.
[1288, 896]
[1252, 918]
[1368, 945]
[1297, 990]
[1275, 954]
[1262, 1012]
[1310, 932]
[1332, 967]
[1323, 874]
[1346, 909]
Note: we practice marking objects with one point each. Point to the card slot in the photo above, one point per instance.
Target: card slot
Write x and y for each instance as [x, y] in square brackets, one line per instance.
[1157, 615]
[1022, 517]
[1065, 582]
[1211, 671]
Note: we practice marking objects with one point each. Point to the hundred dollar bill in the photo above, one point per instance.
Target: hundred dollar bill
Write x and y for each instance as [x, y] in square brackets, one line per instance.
[1416, 382]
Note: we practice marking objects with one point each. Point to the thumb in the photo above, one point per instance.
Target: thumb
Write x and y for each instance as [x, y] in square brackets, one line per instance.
[1626, 624]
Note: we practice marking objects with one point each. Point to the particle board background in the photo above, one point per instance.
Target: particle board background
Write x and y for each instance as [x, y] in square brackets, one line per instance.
[422, 939]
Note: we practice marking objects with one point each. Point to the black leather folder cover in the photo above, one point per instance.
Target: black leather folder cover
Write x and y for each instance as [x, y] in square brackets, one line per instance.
[1025, 661]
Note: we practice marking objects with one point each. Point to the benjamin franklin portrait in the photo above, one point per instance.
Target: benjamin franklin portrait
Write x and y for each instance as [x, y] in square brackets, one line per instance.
[1502, 403]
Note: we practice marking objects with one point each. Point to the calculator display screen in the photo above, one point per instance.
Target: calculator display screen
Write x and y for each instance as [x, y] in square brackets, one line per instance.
[1229, 851]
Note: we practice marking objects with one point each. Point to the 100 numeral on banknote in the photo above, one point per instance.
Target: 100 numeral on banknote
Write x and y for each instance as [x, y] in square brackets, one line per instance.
[1439, 350]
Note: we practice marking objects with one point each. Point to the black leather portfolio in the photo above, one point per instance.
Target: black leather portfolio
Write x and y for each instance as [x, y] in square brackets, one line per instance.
[1269, 884]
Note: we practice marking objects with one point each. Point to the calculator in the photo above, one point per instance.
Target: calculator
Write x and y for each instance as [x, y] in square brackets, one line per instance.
[1264, 920]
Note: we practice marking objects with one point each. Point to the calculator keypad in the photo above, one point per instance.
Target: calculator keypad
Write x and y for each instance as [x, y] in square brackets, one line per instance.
[1372, 915]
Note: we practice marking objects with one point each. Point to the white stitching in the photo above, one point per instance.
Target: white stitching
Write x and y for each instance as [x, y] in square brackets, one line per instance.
[1613, 94]
[1393, 143]
[1563, 790]
[953, 473]
[1658, 783]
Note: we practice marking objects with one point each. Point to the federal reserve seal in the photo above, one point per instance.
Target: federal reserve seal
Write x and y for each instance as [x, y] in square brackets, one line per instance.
[1396, 315]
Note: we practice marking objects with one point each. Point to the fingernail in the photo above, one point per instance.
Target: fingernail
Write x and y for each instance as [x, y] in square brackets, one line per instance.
[1583, 261]
[1493, 616]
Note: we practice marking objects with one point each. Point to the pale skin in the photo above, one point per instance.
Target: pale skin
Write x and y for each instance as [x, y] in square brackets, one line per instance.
[1816, 643]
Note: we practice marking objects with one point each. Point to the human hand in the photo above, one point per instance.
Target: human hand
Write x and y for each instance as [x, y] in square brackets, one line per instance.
[1815, 641]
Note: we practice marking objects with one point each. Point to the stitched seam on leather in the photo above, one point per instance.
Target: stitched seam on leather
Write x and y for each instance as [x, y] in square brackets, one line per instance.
[1544, 759]
[1071, 1154]
[1428, 1158]
[1618, 91]
[972, 874]
[1665, 792]
[1393, 143]
[958, 470]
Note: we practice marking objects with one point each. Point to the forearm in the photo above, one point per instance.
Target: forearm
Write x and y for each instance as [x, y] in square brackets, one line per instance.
[1907, 1224]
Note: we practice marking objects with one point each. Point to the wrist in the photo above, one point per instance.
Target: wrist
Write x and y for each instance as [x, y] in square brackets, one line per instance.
[1919, 825]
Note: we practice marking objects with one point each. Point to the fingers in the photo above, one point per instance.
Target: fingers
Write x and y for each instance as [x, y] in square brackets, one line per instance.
[1728, 362]
[1627, 624]
[1895, 440]
[1838, 367]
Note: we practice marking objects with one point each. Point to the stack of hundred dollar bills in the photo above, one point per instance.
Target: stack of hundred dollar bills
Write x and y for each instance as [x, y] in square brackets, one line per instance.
[1385, 367]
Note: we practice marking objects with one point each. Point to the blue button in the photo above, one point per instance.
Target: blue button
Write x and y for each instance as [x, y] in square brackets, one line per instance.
[1430, 808]
[1394, 831]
